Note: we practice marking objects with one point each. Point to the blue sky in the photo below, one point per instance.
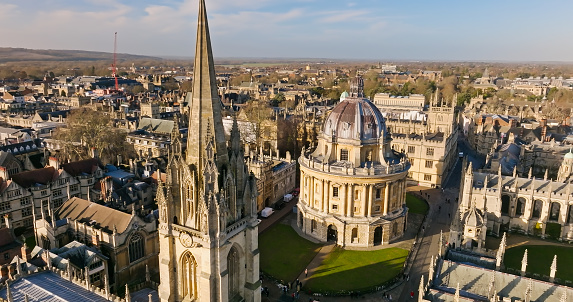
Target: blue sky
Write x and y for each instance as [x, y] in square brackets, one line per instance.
[356, 29]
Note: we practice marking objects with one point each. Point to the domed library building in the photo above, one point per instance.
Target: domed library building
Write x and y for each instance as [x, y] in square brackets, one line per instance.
[353, 184]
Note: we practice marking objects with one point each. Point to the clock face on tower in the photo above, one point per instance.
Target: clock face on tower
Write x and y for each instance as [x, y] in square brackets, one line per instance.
[185, 239]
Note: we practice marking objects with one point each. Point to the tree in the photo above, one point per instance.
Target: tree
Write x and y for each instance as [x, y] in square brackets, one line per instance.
[277, 99]
[464, 98]
[257, 112]
[87, 129]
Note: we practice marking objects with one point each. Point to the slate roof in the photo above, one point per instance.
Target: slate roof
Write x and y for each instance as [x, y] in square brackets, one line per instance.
[100, 216]
[87, 166]
[78, 254]
[156, 125]
[49, 287]
[39, 176]
[476, 280]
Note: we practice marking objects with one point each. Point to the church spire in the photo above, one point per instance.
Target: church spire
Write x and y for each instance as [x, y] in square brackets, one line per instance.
[205, 103]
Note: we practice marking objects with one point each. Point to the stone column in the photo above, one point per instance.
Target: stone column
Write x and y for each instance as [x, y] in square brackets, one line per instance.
[323, 193]
[386, 197]
[350, 200]
[326, 208]
[311, 189]
[343, 199]
[301, 192]
[370, 199]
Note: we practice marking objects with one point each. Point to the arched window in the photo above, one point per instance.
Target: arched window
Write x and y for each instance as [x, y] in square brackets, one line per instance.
[520, 206]
[233, 268]
[136, 247]
[554, 212]
[537, 207]
[570, 215]
[355, 235]
[188, 285]
[505, 204]
[312, 225]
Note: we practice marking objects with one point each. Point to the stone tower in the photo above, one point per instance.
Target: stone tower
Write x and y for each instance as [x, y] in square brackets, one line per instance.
[207, 215]
[566, 168]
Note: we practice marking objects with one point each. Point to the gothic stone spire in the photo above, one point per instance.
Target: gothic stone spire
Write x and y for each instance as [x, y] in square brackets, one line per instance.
[205, 103]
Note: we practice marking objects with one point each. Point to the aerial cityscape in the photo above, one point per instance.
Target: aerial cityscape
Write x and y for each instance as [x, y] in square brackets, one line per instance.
[319, 165]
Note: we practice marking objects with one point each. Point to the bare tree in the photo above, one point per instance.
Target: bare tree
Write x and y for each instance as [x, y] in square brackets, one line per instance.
[88, 130]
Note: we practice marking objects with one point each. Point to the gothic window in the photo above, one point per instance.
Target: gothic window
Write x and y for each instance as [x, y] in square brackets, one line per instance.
[505, 204]
[537, 207]
[233, 268]
[520, 206]
[554, 212]
[136, 247]
[411, 149]
[188, 285]
[430, 151]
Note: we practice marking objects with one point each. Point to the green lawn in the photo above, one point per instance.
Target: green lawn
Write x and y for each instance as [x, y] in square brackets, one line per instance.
[284, 254]
[416, 205]
[539, 258]
[356, 270]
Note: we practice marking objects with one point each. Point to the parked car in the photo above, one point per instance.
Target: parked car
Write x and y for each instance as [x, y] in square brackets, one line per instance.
[266, 212]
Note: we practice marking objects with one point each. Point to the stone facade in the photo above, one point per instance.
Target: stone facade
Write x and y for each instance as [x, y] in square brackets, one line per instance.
[275, 178]
[429, 138]
[353, 185]
[528, 205]
[208, 231]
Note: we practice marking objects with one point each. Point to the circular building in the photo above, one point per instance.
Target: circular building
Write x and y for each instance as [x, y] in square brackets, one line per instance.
[353, 185]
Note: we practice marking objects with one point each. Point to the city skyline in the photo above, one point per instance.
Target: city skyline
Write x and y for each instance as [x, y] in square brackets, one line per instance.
[362, 30]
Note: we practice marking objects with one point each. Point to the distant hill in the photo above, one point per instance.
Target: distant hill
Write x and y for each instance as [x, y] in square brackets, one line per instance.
[8, 54]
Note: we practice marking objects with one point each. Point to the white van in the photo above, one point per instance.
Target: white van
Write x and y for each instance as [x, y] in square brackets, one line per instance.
[266, 212]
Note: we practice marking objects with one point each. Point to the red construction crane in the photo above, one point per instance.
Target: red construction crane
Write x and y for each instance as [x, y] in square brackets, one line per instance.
[113, 66]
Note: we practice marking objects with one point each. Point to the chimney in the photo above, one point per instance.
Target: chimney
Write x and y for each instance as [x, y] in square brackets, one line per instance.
[4, 272]
[54, 162]
[95, 239]
[4, 173]
[7, 221]
[26, 256]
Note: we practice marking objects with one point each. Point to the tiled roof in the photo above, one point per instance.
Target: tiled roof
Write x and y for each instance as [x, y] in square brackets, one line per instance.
[87, 166]
[41, 176]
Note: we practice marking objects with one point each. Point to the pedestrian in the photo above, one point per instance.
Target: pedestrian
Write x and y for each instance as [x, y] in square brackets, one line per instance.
[390, 297]
[407, 277]
[306, 272]
[449, 215]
